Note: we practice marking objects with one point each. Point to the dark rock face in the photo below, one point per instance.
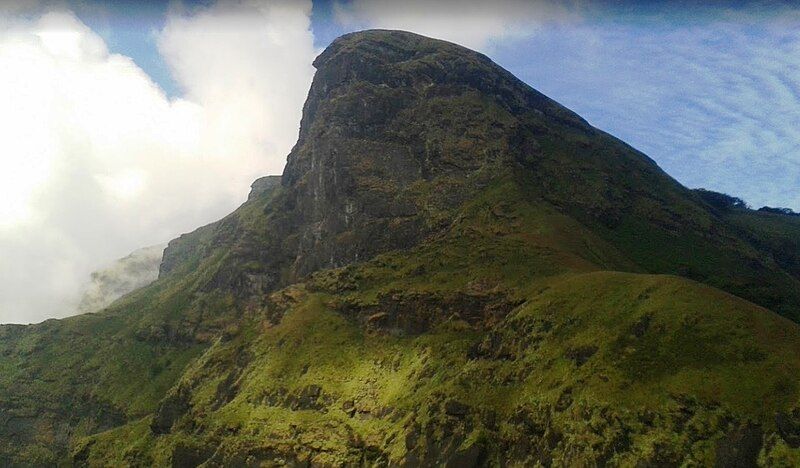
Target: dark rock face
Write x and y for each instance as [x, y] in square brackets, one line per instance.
[386, 111]
[49, 426]
[187, 247]
[263, 185]
[412, 314]
[789, 427]
[456, 408]
[187, 456]
[581, 354]
[169, 411]
[740, 447]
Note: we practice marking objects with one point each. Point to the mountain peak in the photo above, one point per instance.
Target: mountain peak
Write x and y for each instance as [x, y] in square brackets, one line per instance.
[400, 59]
[390, 46]
[494, 305]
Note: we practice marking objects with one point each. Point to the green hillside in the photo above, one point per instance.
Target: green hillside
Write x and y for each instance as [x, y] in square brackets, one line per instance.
[501, 341]
[453, 269]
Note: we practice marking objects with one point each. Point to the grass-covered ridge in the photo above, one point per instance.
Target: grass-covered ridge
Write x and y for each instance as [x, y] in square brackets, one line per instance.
[505, 340]
[611, 366]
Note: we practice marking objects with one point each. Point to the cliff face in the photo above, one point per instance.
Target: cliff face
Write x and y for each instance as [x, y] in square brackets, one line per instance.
[263, 185]
[453, 268]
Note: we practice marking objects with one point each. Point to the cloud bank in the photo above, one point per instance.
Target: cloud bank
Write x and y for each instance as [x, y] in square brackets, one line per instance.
[474, 24]
[127, 274]
[97, 161]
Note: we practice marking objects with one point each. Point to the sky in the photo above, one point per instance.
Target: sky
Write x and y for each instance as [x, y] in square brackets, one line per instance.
[125, 124]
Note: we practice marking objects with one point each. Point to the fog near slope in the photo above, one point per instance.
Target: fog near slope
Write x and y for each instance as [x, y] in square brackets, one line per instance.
[97, 161]
[127, 274]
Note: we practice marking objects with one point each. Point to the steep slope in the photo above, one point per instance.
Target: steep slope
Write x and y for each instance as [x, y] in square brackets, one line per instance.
[63, 379]
[498, 342]
[454, 268]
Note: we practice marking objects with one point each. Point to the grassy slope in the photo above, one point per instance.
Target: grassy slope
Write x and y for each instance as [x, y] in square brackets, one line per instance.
[776, 233]
[63, 379]
[592, 365]
[665, 228]
[92, 366]
[502, 240]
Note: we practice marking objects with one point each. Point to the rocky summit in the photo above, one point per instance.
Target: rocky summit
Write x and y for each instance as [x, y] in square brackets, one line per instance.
[452, 270]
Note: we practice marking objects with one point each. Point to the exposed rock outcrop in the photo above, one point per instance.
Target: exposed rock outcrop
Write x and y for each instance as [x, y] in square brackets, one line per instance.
[263, 185]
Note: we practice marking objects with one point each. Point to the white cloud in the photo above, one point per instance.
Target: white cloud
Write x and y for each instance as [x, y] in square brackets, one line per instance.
[96, 161]
[472, 23]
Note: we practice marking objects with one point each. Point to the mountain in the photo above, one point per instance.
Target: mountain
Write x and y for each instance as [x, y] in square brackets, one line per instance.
[452, 269]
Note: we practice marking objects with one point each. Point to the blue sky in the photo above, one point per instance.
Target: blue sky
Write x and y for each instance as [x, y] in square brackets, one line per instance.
[130, 28]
